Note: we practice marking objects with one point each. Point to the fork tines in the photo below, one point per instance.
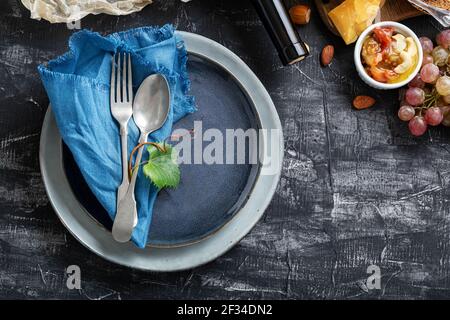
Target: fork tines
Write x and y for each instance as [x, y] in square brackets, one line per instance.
[121, 78]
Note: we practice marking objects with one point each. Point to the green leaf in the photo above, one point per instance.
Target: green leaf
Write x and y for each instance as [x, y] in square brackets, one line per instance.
[162, 167]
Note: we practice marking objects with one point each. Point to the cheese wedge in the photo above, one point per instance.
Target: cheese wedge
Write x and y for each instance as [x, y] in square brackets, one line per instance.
[353, 16]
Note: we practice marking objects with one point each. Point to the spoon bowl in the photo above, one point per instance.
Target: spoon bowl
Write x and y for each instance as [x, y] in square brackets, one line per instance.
[151, 105]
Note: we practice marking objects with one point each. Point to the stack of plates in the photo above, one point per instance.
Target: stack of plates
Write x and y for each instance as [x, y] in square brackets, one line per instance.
[215, 205]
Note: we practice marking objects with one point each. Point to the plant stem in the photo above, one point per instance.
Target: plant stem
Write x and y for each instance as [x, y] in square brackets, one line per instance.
[140, 145]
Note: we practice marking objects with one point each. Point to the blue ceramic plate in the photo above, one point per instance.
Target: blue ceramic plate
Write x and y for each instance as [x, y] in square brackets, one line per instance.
[215, 206]
[209, 194]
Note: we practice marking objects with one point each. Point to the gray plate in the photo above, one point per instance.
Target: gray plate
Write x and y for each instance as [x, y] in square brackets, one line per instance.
[232, 213]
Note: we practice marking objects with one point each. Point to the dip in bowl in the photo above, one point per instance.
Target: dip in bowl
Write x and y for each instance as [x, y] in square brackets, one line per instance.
[388, 55]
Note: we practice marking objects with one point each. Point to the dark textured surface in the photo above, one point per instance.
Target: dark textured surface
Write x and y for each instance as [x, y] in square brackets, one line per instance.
[356, 189]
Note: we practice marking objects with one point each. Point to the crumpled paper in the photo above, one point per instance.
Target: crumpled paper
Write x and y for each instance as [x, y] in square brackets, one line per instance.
[65, 11]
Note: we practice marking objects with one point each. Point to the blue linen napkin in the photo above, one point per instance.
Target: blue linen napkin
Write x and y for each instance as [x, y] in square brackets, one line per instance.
[77, 84]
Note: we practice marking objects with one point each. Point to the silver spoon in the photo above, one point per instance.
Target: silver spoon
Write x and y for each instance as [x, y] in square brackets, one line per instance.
[150, 110]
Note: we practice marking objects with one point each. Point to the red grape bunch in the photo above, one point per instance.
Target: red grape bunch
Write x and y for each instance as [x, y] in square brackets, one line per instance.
[427, 99]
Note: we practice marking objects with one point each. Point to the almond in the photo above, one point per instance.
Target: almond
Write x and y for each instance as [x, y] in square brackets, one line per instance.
[300, 14]
[363, 102]
[327, 55]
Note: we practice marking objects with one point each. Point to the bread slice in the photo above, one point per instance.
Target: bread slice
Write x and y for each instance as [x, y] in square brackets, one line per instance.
[443, 4]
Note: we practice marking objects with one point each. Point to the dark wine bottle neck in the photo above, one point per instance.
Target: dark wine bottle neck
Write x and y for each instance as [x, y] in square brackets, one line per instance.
[278, 24]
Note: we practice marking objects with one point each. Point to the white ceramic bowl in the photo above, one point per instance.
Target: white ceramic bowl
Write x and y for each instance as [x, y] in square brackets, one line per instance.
[400, 28]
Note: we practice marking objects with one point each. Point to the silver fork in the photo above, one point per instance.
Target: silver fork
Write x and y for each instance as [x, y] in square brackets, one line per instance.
[121, 98]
